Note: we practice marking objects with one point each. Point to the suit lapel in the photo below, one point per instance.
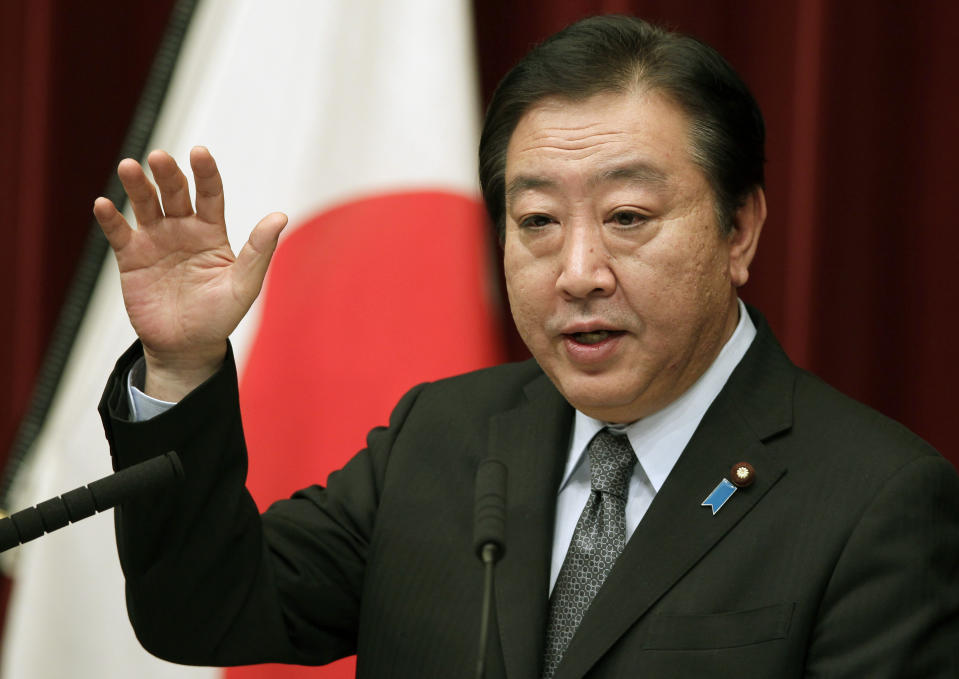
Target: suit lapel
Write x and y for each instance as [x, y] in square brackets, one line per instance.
[532, 440]
[677, 531]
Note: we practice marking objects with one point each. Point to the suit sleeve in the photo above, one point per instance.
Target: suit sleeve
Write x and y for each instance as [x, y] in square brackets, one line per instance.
[891, 608]
[211, 582]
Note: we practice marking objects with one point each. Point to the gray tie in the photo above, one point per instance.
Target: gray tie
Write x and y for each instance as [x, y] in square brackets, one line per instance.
[598, 539]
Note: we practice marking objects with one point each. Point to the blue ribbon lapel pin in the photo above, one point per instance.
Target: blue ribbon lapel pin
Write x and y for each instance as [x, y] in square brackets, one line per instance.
[716, 499]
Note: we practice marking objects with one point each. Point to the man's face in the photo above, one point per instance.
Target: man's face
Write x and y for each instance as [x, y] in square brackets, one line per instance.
[619, 280]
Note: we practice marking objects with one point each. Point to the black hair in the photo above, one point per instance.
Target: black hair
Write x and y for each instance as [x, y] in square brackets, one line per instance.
[619, 54]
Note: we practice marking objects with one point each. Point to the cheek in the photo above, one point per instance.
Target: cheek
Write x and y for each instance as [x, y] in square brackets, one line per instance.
[513, 272]
[518, 289]
[529, 290]
[676, 279]
[527, 276]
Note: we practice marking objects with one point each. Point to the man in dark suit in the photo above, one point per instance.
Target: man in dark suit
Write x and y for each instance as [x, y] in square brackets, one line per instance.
[683, 501]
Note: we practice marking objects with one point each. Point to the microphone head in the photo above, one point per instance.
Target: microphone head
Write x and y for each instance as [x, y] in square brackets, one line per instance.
[489, 526]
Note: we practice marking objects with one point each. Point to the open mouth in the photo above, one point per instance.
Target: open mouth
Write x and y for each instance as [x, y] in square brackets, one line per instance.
[595, 336]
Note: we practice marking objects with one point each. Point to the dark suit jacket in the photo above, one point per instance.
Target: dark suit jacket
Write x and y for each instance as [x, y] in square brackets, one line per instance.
[841, 560]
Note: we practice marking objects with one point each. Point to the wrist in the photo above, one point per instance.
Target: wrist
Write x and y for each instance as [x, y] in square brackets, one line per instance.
[170, 377]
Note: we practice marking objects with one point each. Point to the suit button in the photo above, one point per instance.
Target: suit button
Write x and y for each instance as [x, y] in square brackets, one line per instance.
[742, 474]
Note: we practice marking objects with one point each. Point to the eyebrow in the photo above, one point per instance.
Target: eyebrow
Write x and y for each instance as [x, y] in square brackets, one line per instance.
[634, 173]
[523, 183]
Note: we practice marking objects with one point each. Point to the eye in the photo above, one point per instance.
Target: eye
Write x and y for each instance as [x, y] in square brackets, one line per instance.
[535, 221]
[627, 218]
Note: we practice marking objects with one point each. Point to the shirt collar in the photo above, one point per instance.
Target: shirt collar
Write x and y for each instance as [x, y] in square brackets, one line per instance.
[660, 438]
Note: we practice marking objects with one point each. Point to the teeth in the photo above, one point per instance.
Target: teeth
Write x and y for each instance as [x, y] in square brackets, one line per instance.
[592, 337]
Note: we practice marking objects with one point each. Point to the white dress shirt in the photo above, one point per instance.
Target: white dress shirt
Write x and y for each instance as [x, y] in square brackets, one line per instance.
[658, 440]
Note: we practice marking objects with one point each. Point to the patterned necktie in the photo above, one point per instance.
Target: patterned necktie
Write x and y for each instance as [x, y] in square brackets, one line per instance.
[598, 539]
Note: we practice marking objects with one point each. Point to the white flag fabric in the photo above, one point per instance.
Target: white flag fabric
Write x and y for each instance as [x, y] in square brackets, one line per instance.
[359, 119]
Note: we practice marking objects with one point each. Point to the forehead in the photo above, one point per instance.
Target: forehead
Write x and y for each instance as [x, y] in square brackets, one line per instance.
[639, 129]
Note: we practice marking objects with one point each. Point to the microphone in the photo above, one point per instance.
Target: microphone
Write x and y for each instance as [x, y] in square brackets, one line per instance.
[140, 479]
[489, 538]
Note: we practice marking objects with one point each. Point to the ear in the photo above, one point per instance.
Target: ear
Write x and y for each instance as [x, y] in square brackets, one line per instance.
[744, 238]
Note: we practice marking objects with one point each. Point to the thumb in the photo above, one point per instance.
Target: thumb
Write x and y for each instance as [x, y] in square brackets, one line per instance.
[254, 258]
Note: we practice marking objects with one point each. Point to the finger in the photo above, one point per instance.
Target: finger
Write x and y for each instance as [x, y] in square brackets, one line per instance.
[174, 190]
[254, 258]
[112, 223]
[209, 186]
[143, 197]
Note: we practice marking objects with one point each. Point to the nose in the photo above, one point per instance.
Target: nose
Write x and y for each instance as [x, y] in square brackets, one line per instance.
[585, 264]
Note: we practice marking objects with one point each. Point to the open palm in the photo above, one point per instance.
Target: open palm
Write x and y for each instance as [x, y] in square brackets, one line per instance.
[183, 288]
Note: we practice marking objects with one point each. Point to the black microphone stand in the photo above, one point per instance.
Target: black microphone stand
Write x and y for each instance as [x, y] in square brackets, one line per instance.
[489, 539]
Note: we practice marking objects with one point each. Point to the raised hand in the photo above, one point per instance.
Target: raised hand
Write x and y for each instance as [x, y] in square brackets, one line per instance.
[184, 290]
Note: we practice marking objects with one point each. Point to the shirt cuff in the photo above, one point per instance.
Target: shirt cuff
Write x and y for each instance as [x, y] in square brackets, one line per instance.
[143, 407]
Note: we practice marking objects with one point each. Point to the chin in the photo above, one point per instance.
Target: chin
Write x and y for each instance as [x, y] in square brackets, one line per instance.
[609, 404]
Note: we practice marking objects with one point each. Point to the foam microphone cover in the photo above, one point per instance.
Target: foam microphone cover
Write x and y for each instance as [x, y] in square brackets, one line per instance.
[489, 525]
[136, 481]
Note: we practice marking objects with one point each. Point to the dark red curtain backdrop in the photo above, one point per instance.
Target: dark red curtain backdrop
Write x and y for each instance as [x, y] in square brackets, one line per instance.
[856, 265]
[70, 75]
